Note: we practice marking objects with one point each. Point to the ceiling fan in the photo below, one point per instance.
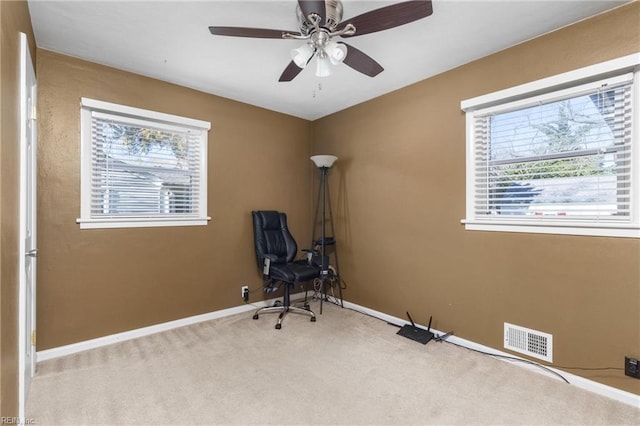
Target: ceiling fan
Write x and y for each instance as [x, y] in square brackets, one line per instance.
[321, 21]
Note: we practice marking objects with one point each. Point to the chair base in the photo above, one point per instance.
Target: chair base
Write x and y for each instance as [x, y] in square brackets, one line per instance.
[283, 310]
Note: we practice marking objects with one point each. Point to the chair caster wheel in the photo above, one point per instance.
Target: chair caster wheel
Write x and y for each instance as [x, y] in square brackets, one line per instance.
[255, 316]
[278, 326]
[306, 306]
[313, 319]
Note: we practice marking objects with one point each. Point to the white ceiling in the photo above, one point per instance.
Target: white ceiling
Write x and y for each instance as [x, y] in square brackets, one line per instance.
[170, 40]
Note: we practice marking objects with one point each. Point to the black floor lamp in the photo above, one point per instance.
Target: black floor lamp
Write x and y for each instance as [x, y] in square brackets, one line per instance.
[320, 243]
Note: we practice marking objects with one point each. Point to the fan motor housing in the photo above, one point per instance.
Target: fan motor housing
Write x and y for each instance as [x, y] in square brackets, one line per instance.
[333, 14]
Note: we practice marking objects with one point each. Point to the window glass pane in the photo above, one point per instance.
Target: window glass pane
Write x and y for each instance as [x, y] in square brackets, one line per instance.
[567, 158]
[146, 146]
[581, 123]
[142, 170]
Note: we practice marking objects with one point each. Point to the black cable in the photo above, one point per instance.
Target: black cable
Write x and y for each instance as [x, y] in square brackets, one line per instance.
[526, 361]
[335, 302]
[333, 281]
[588, 368]
[343, 287]
[512, 358]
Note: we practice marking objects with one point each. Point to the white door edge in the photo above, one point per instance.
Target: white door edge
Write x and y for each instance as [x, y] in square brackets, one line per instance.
[26, 237]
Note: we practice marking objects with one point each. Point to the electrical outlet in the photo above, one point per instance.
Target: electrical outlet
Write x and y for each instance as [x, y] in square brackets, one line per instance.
[245, 293]
[631, 367]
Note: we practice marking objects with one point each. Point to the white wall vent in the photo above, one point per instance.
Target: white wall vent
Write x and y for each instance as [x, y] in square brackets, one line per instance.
[529, 342]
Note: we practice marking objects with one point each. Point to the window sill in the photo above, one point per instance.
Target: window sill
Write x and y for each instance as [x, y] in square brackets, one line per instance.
[139, 223]
[573, 228]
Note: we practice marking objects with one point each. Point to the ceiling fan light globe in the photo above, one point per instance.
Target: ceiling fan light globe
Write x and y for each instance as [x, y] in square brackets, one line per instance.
[336, 52]
[323, 66]
[301, 55]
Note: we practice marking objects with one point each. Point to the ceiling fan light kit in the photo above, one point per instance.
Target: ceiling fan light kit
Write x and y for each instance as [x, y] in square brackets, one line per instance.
[323, 65]
[336, 51]
[320, 21]
[302, 55]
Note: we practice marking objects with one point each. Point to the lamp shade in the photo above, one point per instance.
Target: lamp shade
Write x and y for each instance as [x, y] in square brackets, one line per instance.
[336, 52]
[323, 65]
[301, 55]
[324, 160]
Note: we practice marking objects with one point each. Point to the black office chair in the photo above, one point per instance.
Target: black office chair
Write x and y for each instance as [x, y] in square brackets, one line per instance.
[275, 252]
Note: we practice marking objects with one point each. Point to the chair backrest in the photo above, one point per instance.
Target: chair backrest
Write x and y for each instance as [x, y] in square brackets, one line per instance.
[272, 237]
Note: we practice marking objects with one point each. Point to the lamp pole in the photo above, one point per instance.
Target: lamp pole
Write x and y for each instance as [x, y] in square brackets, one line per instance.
[324, 163]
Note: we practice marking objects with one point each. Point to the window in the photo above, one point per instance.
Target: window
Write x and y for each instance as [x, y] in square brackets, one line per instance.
[141, 168]
[558, 155]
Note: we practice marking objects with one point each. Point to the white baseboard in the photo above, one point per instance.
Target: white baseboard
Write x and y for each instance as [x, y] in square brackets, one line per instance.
[595, 387]
[589, 385]
[145, 331]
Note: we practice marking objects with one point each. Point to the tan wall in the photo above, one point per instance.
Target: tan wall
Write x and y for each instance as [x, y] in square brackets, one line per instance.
[14, 18]
[98, 282]
[399, 188]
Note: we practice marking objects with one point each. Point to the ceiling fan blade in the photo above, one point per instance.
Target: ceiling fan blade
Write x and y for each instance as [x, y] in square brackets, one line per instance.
[290, 72]
[360, 61]
[388, 17]
[249, 32]
[313, 6]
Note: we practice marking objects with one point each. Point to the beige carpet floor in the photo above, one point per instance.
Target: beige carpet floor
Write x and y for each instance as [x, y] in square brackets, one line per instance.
[347, 368]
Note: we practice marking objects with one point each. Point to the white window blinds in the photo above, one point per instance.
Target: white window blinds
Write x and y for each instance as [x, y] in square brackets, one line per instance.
[563, 156]
[142, 169]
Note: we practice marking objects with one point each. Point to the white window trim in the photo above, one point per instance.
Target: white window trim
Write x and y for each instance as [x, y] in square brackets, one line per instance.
[87, 106]
[615, 67]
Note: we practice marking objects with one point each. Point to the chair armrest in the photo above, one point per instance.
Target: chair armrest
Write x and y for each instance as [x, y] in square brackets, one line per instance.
[268, 259]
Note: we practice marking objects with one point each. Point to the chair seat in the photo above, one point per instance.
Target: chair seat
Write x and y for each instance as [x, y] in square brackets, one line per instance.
[299, 271]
